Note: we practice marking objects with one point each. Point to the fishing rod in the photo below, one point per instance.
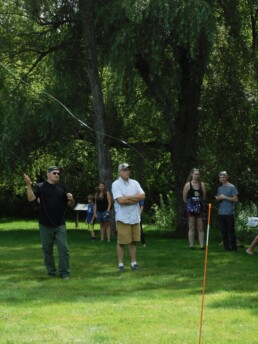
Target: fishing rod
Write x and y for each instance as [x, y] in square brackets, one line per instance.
[82, 123]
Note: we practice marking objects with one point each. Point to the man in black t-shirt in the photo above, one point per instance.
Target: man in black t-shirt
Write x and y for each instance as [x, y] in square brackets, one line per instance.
[53, 199]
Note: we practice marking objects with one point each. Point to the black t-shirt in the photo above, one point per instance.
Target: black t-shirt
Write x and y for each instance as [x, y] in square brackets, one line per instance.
[195, 194]
[102, 203]
[52, 203]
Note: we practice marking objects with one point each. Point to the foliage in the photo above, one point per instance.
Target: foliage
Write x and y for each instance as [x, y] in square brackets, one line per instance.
[243, 212]
[148, 51]
[164, 214]
[78, 170]
[229, 105]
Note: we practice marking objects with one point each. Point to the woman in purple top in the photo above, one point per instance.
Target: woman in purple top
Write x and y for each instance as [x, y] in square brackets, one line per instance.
[195, 191]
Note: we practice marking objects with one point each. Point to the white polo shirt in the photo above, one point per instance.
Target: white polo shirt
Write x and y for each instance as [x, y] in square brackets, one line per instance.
[129, 214]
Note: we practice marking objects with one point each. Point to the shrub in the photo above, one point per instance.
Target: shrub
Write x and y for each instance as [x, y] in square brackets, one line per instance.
[243, 212]
[165, 213]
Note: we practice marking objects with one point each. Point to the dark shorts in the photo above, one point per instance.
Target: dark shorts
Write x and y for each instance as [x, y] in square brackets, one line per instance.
[197, 215]
[102, 216]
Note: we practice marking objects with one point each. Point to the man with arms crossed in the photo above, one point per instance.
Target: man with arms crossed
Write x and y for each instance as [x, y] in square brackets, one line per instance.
[127, 193]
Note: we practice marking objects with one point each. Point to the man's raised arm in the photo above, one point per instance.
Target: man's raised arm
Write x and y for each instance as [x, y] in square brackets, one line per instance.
[30, 195]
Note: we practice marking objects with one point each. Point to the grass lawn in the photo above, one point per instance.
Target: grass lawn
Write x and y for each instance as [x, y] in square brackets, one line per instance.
[160, 303]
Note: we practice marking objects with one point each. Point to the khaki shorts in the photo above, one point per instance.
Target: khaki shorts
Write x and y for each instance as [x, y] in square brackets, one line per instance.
[127, 233]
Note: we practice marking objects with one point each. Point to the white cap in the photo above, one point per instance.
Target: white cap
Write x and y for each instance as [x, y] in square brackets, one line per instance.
[123, 166]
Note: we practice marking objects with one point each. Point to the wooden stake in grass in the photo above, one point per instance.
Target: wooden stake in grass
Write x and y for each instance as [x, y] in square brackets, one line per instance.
[205, 269]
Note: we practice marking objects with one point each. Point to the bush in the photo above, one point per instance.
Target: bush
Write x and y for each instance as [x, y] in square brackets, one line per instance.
[165, 214]
[243, 212]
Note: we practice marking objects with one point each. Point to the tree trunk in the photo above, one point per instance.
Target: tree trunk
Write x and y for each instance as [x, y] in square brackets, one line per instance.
[185, 123]
[186, 145]
[102, 142]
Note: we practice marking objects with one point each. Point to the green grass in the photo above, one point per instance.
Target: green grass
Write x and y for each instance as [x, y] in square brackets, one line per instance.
[7, 224]
[160, 303]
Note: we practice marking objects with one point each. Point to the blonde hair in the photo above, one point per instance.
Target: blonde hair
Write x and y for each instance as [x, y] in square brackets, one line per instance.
[190, 177]
[91, 196]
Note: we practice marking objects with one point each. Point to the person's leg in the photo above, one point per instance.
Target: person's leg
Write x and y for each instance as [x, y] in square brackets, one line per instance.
[92, 233]
[250, 249]
[199, 223]
[135, 237]
[47, 241]
[120, 254]
[232, 232]
[224, 231]
[63, 250]
[132, 251]
[100, 215]
[122, 239]
[102, 231]
[191, 231]
[108, 230]
[142, 235]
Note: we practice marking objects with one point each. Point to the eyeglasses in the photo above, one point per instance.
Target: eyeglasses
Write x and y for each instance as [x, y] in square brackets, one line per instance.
[56, 173]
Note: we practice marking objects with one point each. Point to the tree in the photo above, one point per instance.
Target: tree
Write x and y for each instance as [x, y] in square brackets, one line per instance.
[156, 79]
[169, 47]
[102, 144]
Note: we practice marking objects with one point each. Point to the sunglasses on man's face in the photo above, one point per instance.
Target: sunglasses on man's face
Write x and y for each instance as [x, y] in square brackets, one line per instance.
[56, 173]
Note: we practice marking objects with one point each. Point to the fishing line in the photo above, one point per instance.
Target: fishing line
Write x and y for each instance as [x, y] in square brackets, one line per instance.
[66, 108]
[76, 119]
[131, 147]
[80, 121]
[20, 168]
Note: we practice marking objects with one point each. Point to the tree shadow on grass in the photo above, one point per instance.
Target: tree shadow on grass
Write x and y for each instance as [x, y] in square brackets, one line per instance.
[234, 302]
[168, 268]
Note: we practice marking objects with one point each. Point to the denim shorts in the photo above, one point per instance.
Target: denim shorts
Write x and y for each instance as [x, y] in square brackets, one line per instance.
[103, 216]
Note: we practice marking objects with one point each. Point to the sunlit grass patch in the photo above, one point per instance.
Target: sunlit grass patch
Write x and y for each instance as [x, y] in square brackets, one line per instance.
[160, 303]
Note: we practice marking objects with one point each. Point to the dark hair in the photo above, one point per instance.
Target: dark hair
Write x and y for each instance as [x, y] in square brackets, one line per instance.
[98, 191]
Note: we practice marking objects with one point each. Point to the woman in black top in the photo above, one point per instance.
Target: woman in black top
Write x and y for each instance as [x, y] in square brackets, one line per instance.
[103, 203]
[194, 194]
